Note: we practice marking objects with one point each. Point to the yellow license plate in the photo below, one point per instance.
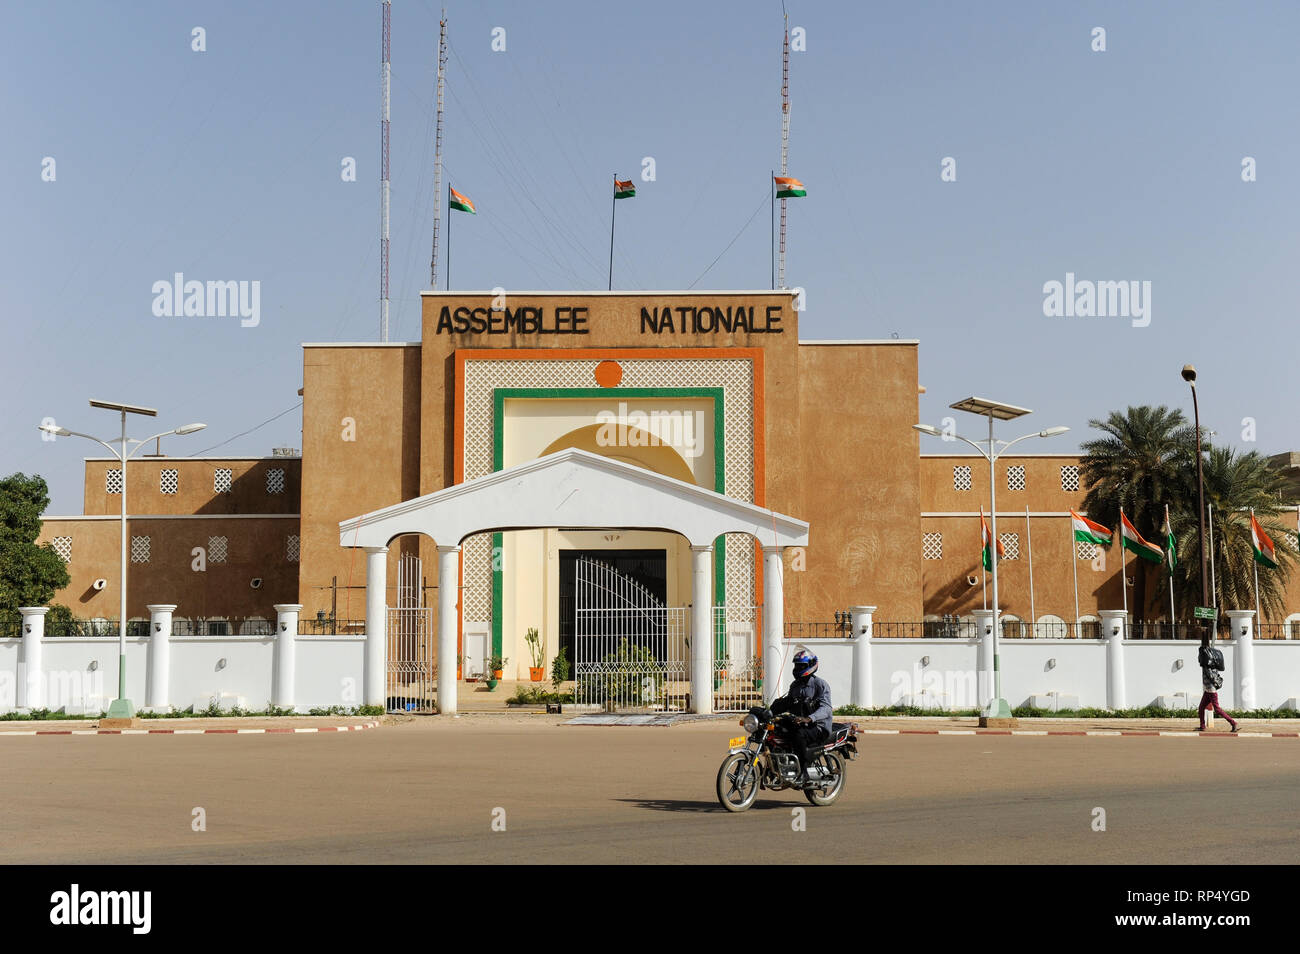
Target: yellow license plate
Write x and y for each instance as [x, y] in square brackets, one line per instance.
[736, 742]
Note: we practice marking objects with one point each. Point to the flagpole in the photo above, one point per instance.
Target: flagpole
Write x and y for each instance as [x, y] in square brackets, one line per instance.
[1123, 583]
[1074, 562]
[984, 570]
[613, 204]
[448, 236]
[1255, 563]
[1029, 546]
[1169, 558]
[1214, 591]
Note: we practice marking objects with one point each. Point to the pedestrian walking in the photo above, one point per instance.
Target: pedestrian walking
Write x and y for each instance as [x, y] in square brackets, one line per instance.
[1211, 663]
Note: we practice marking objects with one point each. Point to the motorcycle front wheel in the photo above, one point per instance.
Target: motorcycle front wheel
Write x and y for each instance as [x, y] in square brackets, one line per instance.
[737, 782]
[832, 766]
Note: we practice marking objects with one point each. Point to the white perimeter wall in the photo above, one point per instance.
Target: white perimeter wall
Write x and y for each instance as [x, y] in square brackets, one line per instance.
[1036, 667]
[79, 674]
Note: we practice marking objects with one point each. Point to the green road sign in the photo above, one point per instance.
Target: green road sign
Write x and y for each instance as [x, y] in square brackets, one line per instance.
[1205, 612]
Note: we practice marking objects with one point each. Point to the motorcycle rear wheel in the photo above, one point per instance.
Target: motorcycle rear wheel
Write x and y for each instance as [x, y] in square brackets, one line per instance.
[831, 764]
[737, 782]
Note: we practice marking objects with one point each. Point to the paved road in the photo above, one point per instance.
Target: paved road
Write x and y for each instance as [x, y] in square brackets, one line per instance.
[425, 792]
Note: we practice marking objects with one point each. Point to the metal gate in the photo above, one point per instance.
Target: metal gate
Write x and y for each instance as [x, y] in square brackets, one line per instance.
[412, 643]
[737, 667]
[630, 650]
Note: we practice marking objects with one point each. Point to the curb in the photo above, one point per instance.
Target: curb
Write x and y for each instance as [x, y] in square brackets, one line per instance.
[1106, 732]
[356, 727]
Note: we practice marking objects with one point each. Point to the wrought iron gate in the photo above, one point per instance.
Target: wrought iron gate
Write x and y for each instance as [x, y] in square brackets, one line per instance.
[737, 667]
[630, 650]
[412, 643]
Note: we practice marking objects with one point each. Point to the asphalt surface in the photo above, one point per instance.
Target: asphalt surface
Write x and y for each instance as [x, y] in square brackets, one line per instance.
[427, 791]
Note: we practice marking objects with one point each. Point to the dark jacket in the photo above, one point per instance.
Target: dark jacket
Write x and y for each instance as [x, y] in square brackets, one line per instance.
[810, 697]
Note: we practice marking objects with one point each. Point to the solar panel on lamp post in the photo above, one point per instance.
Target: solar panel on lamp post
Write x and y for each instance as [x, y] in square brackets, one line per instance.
[993, 410]
[122, 707]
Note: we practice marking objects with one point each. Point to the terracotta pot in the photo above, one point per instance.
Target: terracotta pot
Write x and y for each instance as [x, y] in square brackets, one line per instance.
[496, 675]
[535, 673]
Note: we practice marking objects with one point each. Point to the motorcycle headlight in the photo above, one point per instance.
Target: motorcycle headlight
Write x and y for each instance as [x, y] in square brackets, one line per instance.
[750, 723]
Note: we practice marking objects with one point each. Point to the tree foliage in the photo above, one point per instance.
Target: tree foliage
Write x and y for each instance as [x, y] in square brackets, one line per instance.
[1144, 459]
[30, 574]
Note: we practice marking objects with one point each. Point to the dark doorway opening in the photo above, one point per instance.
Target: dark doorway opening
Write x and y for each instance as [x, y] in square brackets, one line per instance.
[647, 567]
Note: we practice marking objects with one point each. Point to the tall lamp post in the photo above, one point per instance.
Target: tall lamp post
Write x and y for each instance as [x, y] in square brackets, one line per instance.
[1189, 375]
[122, 707]
[993, 410]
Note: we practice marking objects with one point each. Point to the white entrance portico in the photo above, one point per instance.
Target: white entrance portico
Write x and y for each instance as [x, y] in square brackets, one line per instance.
[571, 489]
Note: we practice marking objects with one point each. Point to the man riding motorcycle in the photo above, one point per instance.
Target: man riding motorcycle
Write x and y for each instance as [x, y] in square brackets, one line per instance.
[809, 700]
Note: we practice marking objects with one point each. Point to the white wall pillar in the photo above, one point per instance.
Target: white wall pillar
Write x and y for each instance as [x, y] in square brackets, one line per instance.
[1242, 627]
[984, 657]
[376, 626]
[448, 626]
[702, 629]
[286, 653]
[1114, 629]
[31, 681]
[160, 652]
[861, 617]
[773, 621]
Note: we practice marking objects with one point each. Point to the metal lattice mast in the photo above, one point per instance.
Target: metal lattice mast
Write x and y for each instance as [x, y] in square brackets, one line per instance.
[385, 75]
[785, 143]
[437, 152]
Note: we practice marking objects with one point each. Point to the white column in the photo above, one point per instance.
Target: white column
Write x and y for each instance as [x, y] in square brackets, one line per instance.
[448, 626]
[1114, 629]
[773, 621]
[160, 652]
[376, 626]
[702, 629]
[286, 653]
[984, 657]
[31, 675]
[861, 622]
[1242, 627]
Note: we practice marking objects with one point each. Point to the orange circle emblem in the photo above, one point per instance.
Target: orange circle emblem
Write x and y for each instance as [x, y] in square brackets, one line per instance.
[609, 374]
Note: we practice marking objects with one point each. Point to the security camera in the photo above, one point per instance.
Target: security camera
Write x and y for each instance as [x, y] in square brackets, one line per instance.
[972, 580]
[99, 584]
[255, 582]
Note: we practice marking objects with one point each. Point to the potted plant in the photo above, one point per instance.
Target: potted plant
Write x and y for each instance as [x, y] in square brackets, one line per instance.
[495, 666]
[536, 671]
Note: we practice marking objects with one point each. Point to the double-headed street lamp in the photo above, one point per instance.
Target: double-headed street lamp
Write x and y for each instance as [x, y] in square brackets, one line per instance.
[121, 707]
[997, 707]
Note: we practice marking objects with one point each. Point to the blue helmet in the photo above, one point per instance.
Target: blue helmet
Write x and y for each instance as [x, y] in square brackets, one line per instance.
[805, 664]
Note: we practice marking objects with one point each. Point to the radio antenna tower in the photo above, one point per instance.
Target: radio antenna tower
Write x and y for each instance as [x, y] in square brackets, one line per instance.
[785, 137]
[437, 151]
[385, 74]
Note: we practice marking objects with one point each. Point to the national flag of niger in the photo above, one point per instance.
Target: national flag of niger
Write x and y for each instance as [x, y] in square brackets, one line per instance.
[462, 203]
[624, 188]
[986, 555]
[788, 187]
[1262, 544]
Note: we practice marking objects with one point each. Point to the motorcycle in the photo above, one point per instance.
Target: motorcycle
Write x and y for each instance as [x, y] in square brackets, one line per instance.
[764, 759]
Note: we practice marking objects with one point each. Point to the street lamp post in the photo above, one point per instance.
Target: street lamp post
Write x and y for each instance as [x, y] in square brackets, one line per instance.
[998, 707]
[1189, 375]
[122, 707]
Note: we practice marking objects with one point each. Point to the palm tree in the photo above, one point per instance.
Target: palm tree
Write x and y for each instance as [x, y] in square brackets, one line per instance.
[1234, 483]
[1138, 463]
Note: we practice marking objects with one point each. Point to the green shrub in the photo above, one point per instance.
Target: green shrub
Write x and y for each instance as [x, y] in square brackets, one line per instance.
[561, 670]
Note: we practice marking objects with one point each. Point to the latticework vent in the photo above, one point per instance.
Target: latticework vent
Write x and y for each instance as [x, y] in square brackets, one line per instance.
[932, 546]
[961, 477]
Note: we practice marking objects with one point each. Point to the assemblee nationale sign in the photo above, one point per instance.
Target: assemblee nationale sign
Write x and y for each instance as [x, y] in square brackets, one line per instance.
[573, 320]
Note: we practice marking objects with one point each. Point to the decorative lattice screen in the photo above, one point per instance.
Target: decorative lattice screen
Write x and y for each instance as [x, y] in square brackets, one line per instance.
[1070, 477]
[932, 546]
[139, 549]
[275, 480]
[961, 477]
[222, 480]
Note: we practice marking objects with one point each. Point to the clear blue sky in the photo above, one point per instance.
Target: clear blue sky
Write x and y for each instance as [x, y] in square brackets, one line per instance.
[225, 164]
